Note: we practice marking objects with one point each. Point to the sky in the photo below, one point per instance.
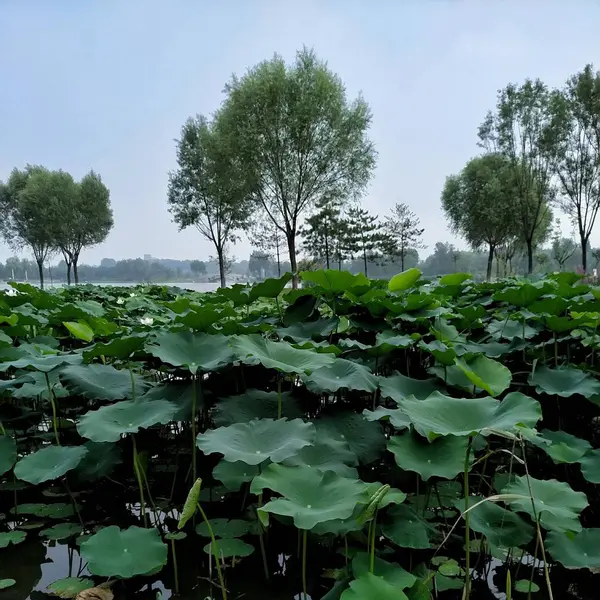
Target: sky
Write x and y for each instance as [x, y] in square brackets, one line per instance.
[107, 86]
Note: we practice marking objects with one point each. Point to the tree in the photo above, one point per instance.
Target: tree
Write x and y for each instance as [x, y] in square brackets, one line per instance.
[267, 236]
[522, 130]
[364, 235]
[576, 118]
[479, 203]
[86, 218]
[562, 250]
[404, 230]
[259, 264]
[323, 233]
[198, 267]
[299, 138]
[209, 190]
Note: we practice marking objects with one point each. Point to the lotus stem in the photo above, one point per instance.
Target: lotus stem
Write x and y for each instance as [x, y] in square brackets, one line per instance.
[261, 539]
[53, 404]
[175, 571]
[373, 538]
[136, 468]
[2, 430]
[194, 410]
[304, 535]
[279, 398]
[467, 518]
[214, 550]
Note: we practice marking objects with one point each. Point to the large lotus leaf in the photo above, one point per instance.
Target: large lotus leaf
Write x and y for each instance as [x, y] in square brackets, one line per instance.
[556, 503]
[443, 415]
[341, 374]
[80, 330]
[34, 385]
[225, 528]
[403, 281]
[8, 453]
[501, 527]
[444, 457]
[196, 351]
[396, 416]
[364, 438]
[70, 587]
[228, 548]
[62, 531]
[390, 340]
[179, 393]
[254, 349]
[390, 572]
[109, 423]
[310, 496]
[407, 529]
[578, 551]
[234, 474]
[398, 386]
[6, 583]
[371, 587]
[121, 347]
[509, 330]
[326, 455]
[523, 293]
[49, 463]
[270, 288]
[309, 330]
[561, 447]
[443, 353]
[590, 466]
[44, 363]
[200, 318]
[103, 382]
[490, 349]
[114, 552]
[486, 373]
[11, 537]
[58, 510]
[565, 382]
[99, 461]
[255, 404]
[259, 440]
[336, 281]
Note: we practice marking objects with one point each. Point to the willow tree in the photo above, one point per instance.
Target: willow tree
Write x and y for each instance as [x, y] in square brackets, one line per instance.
[299, 138]
[210, 190]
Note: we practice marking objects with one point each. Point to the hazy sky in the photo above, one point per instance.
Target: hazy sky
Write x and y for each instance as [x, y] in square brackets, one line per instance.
[108, 84]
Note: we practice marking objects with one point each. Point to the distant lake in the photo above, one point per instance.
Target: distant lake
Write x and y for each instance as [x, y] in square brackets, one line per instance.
[196, 287]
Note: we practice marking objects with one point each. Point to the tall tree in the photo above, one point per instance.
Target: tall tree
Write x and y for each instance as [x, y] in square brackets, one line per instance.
[323, 231]
[404, 228]
[576, 118]
[268, 237]
[299, 137]
[522, 129]
[479, 203]
[365, 235]
[209, 190]
[86, 218]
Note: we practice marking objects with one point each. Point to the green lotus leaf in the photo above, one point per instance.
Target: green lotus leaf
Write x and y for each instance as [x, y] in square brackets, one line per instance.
[565, 382]
[407, 529]
[336, 281]
[195, 351]
[58, 510]
[398, 386]
[102, 382]
[80, 330]
[114, 552]
[364, 438]
[310, 496]
[121, 347]
[501, 527]
[557, 505]
[234, 474]
[444, 457]
[6, 583]
[405, 280]
[371, 587]
[254, 349]
[524, 586]
[590, 466]
[225, 528]
[11, 537]
[309, 330]
[579, 551]
[228, 548]
[260, 440]
[560, 446]
[109, 423]
[176, 535]
[341, 374]
[326, 455]
[444, 354]
[490, 349]
[34, 385]
[454, 278]
[69, 587]
[255, 404]
[61, 531]
[392, 573]
[396, 416]
[443, 415]
[392, 496]
[8, 453]
[43, 363]
[486, 373]
[49, 463]
[390, 340]
[522, 294]
[270, 288]
[100, 461]
[179, 393]
[509, 330]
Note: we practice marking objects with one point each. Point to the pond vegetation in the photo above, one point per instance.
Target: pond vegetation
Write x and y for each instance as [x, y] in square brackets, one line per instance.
[354, 439]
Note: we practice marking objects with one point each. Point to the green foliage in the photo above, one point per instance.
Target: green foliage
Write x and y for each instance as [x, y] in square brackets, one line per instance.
[404, 232]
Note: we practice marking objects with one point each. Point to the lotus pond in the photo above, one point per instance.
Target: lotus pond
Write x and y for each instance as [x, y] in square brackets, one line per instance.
[354, 439]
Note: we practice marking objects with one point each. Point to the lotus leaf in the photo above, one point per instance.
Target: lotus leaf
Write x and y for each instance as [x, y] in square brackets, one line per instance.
[396, 416]
[556, 504]
[326, 455]
[121, 347]
[565, 382]
[109, 423]
[195, 351]
[509, 330]
[392, 573]
[234, 474]
[336, 281]
[578, 551]
[524, 586]
[114, 552]
[225, 528]
[43, 363]
[398, 387]
[99, 461]
[80, 330]
[403, 281]
[443, 457]
[341, 374]
[310, 496]
[561, 447]
[255, 404]
[486, 374]
[392, 496]
[407, 529]
[228, 548]
[590, 466]
[70, 587]
[260, 440]
[11, 537]
[179, 393]
[49, 463]
[371, 587]
[58, 510]
[254, 349]
[8, 453]
[6, 583]
[61, 531]
[309, 330]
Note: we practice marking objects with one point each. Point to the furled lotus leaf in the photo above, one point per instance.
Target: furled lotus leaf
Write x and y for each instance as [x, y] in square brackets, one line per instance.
[341, 374]
[114, 552]
[309, 496]
[49, 463]
[257, 441]
[443, 457]
[225, 528]
[486, 374]
[8, 453]
[565, 382]
[109, 423]
[575, 551]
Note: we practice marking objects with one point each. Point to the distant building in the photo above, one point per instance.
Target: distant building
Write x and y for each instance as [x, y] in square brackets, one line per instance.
[147, 257]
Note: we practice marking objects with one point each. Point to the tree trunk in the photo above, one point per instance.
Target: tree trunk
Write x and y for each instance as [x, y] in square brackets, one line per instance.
[221, 258]
[402, 259]
[40, 264]
[75, 271]
[278, 262]
[365, 261]
[529, 256]
[291, 241]
[68, 272]
[584, 253]
[326, 250]
[490, 261]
